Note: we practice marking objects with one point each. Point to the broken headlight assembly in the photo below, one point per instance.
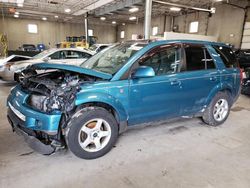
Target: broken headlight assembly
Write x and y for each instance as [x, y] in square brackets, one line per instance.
[59, 99]
[48, 95]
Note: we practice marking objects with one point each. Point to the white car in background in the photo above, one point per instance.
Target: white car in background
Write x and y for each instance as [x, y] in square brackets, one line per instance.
[13, 58]
[71, 56]
[95, 48]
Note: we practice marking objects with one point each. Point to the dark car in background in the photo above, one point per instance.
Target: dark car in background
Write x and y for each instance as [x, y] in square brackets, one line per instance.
[244, 58]
[245, 88]
[28, 47]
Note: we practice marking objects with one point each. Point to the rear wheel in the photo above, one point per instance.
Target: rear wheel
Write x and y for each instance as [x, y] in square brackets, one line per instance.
[92, 132]
[218, 110]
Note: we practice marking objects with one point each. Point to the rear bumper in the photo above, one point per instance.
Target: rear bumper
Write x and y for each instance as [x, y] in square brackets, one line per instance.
[7, 75]
[29, 135]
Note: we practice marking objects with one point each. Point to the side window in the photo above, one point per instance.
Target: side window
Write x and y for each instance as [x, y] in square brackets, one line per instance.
[164, 60]
[84, 55]
[198, 58]
[73, 54]
[56, 55]
[227, 55]
[103, 47]
[70, 54]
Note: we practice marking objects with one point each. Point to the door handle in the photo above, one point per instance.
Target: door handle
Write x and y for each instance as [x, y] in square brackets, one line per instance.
[175, 83]
[213, 78]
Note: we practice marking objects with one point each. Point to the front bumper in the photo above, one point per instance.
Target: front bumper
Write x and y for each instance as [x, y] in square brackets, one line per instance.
[29, 135]
[33, 119]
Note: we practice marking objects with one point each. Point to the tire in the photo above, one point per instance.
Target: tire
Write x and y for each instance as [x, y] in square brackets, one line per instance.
[91, 133]
[210, 116]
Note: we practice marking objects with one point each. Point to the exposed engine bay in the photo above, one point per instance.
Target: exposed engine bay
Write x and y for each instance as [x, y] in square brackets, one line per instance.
[52, 89]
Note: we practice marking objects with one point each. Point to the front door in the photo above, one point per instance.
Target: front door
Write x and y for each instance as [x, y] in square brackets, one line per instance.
[156, 97]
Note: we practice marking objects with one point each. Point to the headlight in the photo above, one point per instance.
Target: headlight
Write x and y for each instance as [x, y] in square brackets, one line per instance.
[36, 101]
[44, 103]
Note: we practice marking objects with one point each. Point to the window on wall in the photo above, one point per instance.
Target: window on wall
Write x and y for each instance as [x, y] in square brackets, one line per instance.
[154, 31]
[193, 27]
[32, 28]
[122, 34]
[90, 32]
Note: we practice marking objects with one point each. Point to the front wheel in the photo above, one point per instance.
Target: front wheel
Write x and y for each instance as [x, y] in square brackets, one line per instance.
[91, 133]
[218, 110]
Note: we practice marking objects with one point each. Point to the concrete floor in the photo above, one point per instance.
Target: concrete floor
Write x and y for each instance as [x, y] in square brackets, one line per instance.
[184, 153]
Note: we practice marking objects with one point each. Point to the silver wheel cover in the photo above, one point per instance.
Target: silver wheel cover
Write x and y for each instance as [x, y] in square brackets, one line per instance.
[220, 110]
[94, 135]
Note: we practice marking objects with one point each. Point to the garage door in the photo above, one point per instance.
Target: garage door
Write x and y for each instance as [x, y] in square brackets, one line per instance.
[246, 37]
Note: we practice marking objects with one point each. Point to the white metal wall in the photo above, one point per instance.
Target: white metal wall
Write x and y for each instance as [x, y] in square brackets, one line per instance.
[246, 37]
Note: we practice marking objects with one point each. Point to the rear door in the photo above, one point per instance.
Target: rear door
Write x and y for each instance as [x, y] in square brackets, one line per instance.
[199, 77]
[230, 73]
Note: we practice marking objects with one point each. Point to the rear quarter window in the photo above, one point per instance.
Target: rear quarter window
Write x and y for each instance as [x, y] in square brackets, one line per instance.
[227, 55]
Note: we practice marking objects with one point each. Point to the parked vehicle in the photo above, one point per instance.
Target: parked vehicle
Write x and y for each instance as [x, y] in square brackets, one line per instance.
[62, 55]
[95, 48]
[86, 107]
[245, 88]
[28, 47]
[244, 58]
[13, 58]
[9, 61]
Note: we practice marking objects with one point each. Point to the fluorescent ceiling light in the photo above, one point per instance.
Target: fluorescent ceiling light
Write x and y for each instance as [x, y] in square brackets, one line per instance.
[67, 10]
[16, 15]
[134, 9]
[113, 22]
[177, 9]
[123, 24]
[103, 18]
[218, 0]
[132, 18]
[44, 18]
[213, 10]
[19, 3]
[56, 16]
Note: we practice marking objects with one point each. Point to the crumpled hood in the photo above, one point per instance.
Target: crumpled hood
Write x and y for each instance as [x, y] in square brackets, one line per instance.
[73, 68]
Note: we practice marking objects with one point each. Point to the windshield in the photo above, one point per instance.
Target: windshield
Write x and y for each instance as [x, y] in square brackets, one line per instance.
[112, 59]
[93, 47]
[43, 54]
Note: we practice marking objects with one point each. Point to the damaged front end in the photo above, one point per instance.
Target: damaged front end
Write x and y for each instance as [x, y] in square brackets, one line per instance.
[43, 102]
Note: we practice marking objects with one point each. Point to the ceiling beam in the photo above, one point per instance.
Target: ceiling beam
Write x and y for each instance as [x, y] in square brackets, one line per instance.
[93, 6]
[183, 6]
[117, 6]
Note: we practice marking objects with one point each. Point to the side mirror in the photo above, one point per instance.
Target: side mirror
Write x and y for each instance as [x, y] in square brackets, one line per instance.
[46, 59]
[144, 72]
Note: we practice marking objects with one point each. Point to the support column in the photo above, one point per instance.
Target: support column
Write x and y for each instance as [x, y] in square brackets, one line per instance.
[86, 28]
[147, 22]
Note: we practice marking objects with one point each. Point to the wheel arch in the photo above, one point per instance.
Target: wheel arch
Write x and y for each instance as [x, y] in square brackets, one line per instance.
[220, 88]
[107, 102]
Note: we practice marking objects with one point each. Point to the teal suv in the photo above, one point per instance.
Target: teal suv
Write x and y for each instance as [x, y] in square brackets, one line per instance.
[85, 108]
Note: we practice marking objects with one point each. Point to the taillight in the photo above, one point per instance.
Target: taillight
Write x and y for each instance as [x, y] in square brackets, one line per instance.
[241, 75]
[8, 65]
